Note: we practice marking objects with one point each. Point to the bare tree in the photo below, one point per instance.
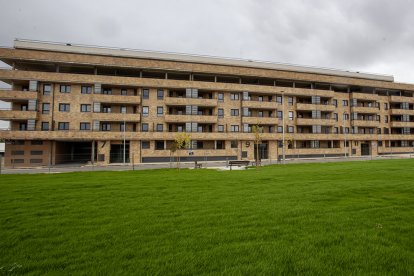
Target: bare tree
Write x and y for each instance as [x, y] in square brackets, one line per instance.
[257, 131]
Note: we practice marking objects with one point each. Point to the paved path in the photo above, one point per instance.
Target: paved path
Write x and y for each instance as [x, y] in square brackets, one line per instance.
[210, 164]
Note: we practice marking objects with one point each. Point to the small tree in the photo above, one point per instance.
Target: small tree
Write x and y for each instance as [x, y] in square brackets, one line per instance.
[257, 131]
[182, 141]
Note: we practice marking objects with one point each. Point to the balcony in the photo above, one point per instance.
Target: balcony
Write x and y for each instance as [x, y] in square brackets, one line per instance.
[402, 124]
[315, 121]
[121, 99]
[260, 120]
[363, 96]
[260, 104]
[366, 110]
[309, 106]
[8, 114]
[174, 101]
[394, 111]
[116, 117]
[365, 123]
[313, 92]
[401, 99]
[13, 95]
[175, 118]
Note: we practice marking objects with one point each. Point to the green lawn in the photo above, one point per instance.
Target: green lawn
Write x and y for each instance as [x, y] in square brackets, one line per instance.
[333, 218]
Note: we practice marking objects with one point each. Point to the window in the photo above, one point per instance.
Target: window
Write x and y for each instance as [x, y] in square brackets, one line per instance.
[335, 103]
[220, 144]
[315, 144]
[260, 114]
[45, 108]
[291, 129]
[159, 145]
[63, 126]
[23, 126]
[379, 130]
[106, 127]
[279, 99]
[316, 129]
[386, 119]
[290, 100]
[36, 161]
[85, 126]
[220, 97]
[260, 98]
[123, 109]
[65, 89]
[234, 112]
[160, 94]
[107, 91]
[144, 127]
[145, 144]
[346, 130]
[17, 161]
[36, 142]
[45, 126]
[145, 111]
[64, 107]
[280, 114]
[234, 128]
[86, 89]
[145, 93]
[36, 152]
[17, 152]
[335, 116]
[220, 128]
[220, 112]
[335, 130]
[18, 142]
[124, 92]
[290, 115]
[234, 96]
[85, 108]
[346, 116]
[106, 109]
[47, 89]
[386, 106]
[160, 111]
[233, 144]
[279, 129]
[160, 127]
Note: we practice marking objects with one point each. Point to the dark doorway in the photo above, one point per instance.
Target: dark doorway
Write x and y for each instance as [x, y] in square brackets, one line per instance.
[263, 151]
[365, 149]
[73, 152]
[117, 153]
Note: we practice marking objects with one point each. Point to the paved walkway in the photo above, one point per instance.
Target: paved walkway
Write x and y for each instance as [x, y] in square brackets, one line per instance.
[209, 164]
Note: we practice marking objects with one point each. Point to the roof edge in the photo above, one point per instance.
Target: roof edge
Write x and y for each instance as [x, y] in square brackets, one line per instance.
[180, 57]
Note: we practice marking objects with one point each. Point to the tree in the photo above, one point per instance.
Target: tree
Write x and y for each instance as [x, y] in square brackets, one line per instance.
[257, 131]
[182, 141]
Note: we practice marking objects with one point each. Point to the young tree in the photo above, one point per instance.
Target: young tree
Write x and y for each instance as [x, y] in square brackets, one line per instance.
[257, 131]
[182, 141]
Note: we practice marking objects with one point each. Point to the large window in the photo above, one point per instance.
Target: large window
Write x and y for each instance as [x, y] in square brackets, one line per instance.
[234, 96]
[45, 108]
[47, 89]
[86, 89]
[234, 112]
[106, 127]
[85, 108]
[145, 93]
[63, 126]
[145, 111]
[234, 128]
[85, 126]
[65, 89]
[64, 107]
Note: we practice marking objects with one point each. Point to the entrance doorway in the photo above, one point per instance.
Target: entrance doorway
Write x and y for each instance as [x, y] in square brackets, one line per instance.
[263, 151]
[365, 149]
[117, 153]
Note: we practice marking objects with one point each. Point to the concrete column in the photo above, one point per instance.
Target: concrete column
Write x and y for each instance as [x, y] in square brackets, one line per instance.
[104, 148]
[135, 151]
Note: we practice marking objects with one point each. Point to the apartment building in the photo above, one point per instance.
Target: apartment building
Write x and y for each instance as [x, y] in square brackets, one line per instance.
[76, 103]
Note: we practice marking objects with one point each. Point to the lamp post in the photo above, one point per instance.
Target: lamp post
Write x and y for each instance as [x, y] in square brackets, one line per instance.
[124, 127]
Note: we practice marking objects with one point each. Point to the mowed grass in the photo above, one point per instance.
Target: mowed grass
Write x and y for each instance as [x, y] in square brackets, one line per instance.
[333, 218]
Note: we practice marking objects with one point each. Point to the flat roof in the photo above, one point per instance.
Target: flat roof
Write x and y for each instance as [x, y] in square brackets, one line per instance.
[143, 54]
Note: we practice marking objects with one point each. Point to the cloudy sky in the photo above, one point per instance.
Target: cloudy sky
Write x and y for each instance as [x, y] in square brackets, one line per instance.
[359, 35]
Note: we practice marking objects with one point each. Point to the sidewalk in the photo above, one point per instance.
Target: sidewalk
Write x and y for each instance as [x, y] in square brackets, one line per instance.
[173, 165]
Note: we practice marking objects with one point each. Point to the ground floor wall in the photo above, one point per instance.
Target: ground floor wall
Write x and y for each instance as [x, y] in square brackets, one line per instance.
[31, 153]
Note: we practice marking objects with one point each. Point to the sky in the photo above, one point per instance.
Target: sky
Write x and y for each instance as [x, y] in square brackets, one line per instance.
[375, 36]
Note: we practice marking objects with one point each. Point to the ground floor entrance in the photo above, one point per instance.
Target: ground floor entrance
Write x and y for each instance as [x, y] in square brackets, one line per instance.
[365, 149]
[73, 152]
[118, 152]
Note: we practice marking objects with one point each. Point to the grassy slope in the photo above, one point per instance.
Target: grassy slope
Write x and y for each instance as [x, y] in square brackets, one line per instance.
[354, 217]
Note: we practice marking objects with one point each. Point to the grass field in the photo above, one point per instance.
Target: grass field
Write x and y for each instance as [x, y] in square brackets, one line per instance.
[333, 218]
